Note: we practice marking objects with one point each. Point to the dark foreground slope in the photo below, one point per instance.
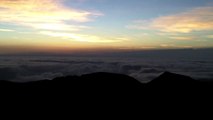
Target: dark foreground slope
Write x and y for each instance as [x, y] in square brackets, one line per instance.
[108, 86]
[103, 95]
[94, 85]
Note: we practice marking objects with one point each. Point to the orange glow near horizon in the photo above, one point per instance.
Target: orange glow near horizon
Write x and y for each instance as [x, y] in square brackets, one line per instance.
[73, 25]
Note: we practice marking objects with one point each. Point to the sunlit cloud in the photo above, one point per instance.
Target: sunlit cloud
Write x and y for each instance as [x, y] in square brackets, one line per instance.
[167, 45]
[173, 46]
[210, 36]
[6, 30]
[56, 26]
[182, 38]
[186, 46]
[82, 37]
[198, 19]
[43, 14]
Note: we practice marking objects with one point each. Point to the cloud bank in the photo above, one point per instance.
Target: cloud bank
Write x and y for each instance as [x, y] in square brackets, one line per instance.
[145, 67]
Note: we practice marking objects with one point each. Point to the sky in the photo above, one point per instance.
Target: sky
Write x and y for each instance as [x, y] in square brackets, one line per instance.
[100, 25]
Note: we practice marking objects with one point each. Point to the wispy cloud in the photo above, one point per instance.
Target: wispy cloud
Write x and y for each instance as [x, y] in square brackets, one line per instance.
[6, 30]
[167, 45]
[182, 38]
[210, 36]
[198, 19]
[83, 37]
[56, 26]
[43, 14]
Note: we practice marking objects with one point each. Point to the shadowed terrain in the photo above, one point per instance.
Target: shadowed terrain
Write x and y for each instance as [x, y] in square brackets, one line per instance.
[108, 86]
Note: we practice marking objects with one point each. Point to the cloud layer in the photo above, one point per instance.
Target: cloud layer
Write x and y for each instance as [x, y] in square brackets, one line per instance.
[144, 66]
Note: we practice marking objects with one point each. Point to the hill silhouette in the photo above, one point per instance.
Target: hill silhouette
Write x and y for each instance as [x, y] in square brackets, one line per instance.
[110, 87]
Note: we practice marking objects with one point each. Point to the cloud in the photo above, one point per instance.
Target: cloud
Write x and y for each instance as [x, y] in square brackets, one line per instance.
[210, 36]
[182, 38]
[144, 67]
[43, 14]
[83, 37]
[7, 73]
[6, 30]
[198, 19]
[168, 45]
[56, 26]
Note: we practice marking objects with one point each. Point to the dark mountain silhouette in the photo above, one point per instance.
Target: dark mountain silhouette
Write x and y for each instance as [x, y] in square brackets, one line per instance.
[100, 87]
[177, 87]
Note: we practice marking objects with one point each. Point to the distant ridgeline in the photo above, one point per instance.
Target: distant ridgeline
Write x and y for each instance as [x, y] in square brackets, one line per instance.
[108, 85]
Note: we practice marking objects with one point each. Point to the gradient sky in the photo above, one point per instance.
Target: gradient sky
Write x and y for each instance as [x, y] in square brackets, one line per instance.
[73, 25]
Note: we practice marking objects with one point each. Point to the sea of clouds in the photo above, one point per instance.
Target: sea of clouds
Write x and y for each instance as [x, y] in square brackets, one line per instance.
[144, 69]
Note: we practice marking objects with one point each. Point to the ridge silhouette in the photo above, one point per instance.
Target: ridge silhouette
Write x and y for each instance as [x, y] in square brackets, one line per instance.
[109, 86]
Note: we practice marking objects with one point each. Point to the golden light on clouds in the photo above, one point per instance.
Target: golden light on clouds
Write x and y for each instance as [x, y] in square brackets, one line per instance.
[57, 26]
[49, 17]
[182, 38]
[78, 23]
[6, 30]
[198, 19]
[210, 36]
[83, 37]
[42, 14]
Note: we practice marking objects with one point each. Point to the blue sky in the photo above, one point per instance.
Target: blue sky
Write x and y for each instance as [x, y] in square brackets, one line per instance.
[69, 25]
